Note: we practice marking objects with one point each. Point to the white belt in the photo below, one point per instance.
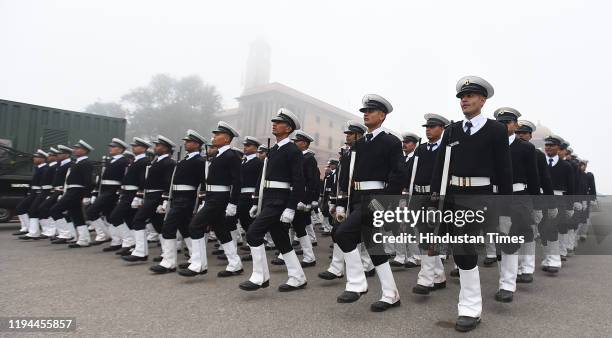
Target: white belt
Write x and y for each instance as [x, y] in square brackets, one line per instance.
[558, 192]
[147, 191]
[183, 187]
[422, 188]
[470, 181]
[129, 187]
[47, 187]
[519, 187]
[328, 189]
[247, 190]
[74, 186]
[277, 185]
[218, 188]
[369, 185]
[110, 182]
[35, 187]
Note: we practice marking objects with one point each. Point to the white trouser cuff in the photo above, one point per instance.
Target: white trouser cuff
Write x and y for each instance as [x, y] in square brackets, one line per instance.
[294, 269]
[355, 276]
[470, 298]
[337, 264]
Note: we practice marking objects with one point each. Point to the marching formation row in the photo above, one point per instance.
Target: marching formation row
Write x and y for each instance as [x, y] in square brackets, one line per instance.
[273, 194]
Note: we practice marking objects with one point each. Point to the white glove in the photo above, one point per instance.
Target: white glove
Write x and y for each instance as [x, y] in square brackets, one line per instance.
[552, 213]
[287, 216]
[60, 197]
[314, 204]
[402, 204]
[86, 201]
[593, 204]
[253, 211]
[161, 209]
[375, 205]
[569, 213]
[136, 202]
[332, 208]
[201, 205]
[93, 199]
[301, 206]
[340, 214]
[308, 207]
[577, 206]
[505, 222]
[537, 216]
[584, 205]
[230, 210]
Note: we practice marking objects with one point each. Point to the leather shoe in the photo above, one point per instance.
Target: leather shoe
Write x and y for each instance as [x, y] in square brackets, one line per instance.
[125, 251]
[61, 241]
[250, 286]
[77, 246]
[277, 261]
[421, 290]
[504, 296]
[380, 306]
[158, 259]
[226, 273]
[308, 264]
[112, 248]
[184, 265]
[246, 258]
[488, 261]
[396, 264]
[28, 238]
[454, 273]
[438, 286]
[370, 273]
[191, 273]
[350, 296]
[289, 288]
[160, 270]
[94, 242]
[524, 278]
[328, 275]
[465, 323]
[550, 269]
[132, 258]
[411, 265]
[19, 233]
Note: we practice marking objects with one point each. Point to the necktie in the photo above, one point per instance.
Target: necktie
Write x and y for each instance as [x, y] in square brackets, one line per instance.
[430, 146]
[369, 137]
[550, 162]
[468, 126]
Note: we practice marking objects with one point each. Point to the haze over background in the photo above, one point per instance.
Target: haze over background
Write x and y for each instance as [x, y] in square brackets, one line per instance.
[548, 59]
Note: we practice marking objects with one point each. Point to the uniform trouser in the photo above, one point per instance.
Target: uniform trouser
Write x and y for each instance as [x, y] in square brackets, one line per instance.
[103, 205]
[70, 202]
[23, 206]
[358, 228]
[300, 220]
[148, 212]
[179, 215]
[244, 206]
[44, 210]
[212, 217]
[34, 209]
[123, 211]
[268, 220]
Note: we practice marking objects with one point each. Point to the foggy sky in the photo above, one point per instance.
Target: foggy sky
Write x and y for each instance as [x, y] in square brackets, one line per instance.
[548, 59]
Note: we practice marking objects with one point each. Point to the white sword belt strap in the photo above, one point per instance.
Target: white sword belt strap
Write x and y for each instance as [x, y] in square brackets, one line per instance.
[47, 187]
[183, 187]
[369, 185]
[129, 187]
[470, 181]
[519, 187]
[277, 185]
[75, 186]
[247, 190]
[558, 192]
[110, 182]
[218, 188]
[35, 187]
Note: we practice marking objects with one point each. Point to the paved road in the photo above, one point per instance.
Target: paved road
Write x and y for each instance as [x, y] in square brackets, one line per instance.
[111, 298]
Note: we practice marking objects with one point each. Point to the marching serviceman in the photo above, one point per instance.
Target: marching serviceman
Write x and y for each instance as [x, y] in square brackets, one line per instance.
[376, 169]
[63, 229]
[562, 176]
[157, 183]
[525, 182]
[526, 264]
[108, 186]
[406, 254]
[46, 223]
[479, 151]
[327, 197]
[591, 192]
[122, 215]
[281, 188]
[182, 201]
[249, 173]
[31, 203]
[77, 189]
[431, 276]
[222, 182]
[566, 227]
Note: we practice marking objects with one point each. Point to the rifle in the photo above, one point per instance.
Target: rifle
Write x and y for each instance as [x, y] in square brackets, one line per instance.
[262, 182]
[350, 181]
[413, 174]
[197, 198]
[433, 248]
[178, 158]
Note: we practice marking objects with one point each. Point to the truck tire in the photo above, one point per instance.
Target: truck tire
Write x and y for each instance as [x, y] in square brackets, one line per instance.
[6, 215]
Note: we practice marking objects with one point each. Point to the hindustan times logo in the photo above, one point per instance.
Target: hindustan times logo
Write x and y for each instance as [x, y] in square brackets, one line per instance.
[414, 217]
